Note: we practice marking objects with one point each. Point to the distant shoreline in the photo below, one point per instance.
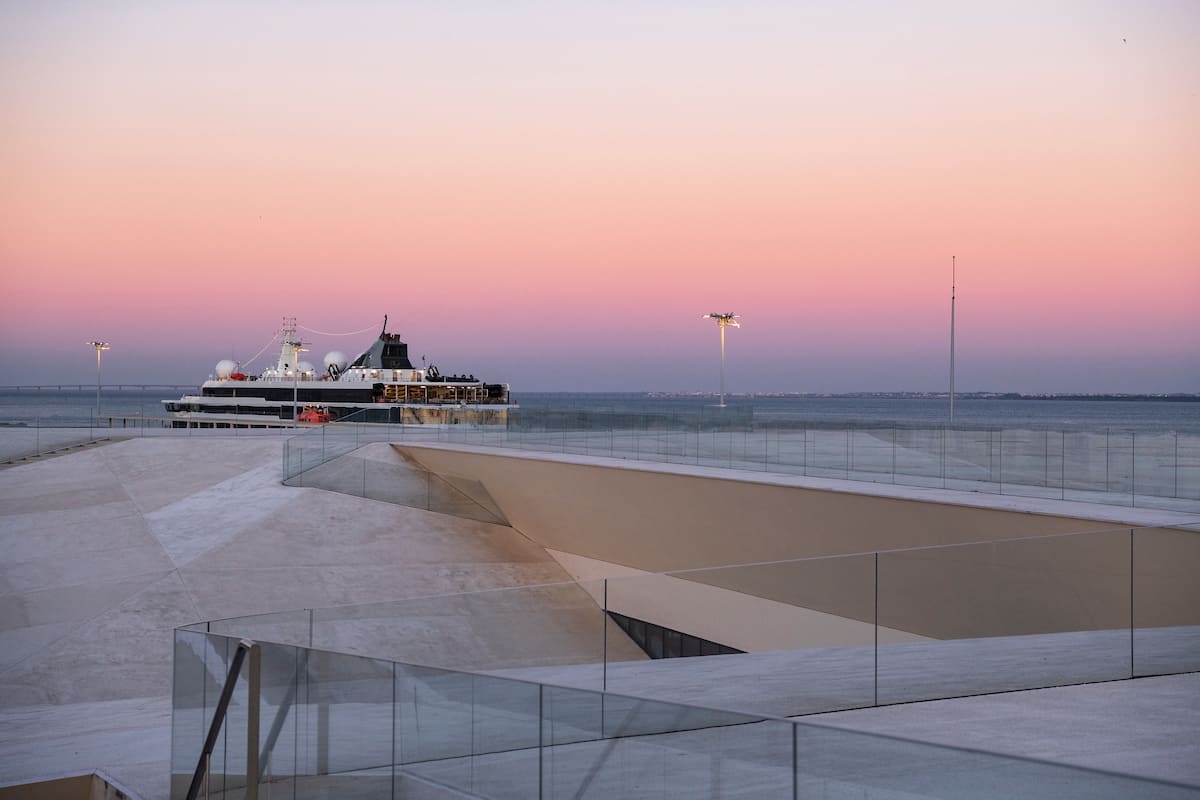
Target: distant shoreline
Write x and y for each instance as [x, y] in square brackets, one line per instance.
[1168, 397]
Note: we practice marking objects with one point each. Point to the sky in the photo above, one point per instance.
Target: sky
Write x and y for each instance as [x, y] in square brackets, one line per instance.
[552, 194]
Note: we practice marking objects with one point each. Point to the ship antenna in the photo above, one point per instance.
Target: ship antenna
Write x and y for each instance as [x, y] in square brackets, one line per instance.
[953, 274]
[382, 332]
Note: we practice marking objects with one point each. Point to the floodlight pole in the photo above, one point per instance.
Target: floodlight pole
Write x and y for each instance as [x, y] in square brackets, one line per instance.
[100, 346]
[723, 321]
[952, 292]
[721, 325]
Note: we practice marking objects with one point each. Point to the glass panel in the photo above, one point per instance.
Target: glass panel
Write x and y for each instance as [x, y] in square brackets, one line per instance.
[755, 446]
[228, 770]
[548, 633]
[472, 733]
[827, 453]
[345, 724]
[724, 444]
[624, 435]
[342, 470]
[806, 629]
[1000, 616]
[1025, 463]
[968, 460]
[282, 668]
[393, 479]
[790, 450]
[872, 451]
[1166, 600]
[1187, 467]
[1086, 466]
[193, 693]
[1120, 469]
[463, 497]
[604, 745]
[919, 456]
[1154, 467]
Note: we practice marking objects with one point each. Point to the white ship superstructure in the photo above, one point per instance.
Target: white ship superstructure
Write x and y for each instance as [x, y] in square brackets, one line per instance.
[381, 385]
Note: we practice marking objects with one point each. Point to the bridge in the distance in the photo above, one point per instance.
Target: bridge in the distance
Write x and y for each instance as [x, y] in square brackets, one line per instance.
[105, 386]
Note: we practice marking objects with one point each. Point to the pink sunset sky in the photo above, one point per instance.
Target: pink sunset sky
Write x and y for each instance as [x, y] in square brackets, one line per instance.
[552, 194]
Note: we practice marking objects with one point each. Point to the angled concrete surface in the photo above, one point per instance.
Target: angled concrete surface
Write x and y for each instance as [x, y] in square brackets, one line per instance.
[105, 551]
[1149, 727]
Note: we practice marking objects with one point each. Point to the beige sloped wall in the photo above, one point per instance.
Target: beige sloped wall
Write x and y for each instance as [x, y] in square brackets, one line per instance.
[655, 521]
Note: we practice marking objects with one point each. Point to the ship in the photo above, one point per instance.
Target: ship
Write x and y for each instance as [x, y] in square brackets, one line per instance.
[381, 385]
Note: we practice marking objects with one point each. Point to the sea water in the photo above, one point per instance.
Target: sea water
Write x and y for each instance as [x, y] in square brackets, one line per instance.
[49, 405]
[1041, 413]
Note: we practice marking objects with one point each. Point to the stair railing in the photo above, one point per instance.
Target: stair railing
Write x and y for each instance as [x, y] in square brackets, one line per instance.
[200, 776]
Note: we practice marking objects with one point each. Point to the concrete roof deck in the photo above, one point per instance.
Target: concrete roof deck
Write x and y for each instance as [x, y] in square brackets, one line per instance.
[105, 551]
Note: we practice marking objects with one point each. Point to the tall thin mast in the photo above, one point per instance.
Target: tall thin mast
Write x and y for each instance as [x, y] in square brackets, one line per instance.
[953, 275]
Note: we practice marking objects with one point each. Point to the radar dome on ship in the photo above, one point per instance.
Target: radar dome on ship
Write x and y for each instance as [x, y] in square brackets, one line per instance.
[336, 361]
[225, 368]
[305, 367]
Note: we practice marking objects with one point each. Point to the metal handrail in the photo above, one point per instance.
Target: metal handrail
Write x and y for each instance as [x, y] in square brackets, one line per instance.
[244, 646]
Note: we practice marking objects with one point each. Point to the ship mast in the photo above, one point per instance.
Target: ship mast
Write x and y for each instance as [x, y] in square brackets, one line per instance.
[289, 362]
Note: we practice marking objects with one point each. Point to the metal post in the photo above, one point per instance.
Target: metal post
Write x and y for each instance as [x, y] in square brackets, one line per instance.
[876, 647]
[604, 643]
[252, 710]
[542, 736]
[795, 766]
[1107, 450]
[1131, 623]
[1133, 468]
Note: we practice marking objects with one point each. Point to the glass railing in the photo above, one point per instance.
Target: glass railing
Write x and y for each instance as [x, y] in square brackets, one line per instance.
[25, 436]
[810, 635]
[537, 691]
[1156, 470]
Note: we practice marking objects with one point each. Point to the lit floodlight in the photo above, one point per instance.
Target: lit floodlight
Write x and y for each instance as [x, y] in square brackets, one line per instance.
[726, 320]
[100, 346]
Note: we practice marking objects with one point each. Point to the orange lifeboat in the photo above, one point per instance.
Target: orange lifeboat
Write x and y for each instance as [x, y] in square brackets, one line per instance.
[314, 414]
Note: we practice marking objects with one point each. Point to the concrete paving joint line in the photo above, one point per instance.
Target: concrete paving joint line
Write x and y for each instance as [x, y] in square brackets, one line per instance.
[60, 451]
